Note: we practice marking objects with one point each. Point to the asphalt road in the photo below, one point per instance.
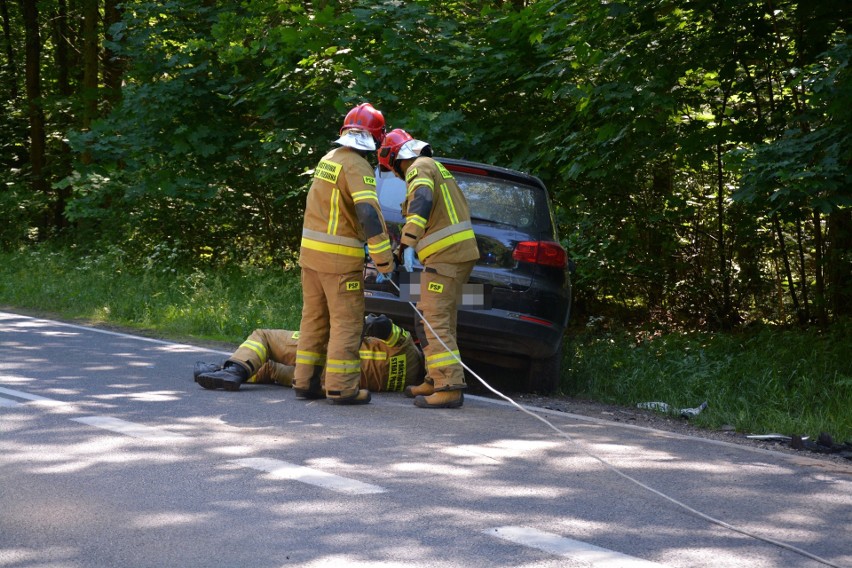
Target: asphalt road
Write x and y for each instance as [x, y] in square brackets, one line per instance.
[110, 455]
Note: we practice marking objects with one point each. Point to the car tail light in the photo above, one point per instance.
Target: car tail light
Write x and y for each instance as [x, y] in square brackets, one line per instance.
[545, 253]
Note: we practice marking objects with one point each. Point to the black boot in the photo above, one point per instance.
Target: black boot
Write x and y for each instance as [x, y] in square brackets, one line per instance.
[230, 377]
[314, 390]
[201, 368]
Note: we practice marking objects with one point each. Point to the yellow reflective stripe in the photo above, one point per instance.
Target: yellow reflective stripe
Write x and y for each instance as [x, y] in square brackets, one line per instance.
[397, 333]
[332, 248]
[372, 355]
[416, 220]
[448, 201]
[295, 335]
[257, 347]
[415, 183]
[343, 366]
[380, 246]
[332, 239]
[445, 242]
[334, 211]
[444, 171]
[396, 373]
[366, 195]
[309, 358]
[328, 171]
[443, 359]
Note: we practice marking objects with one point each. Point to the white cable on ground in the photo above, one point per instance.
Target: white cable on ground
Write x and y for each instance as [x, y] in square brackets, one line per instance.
[614, 469]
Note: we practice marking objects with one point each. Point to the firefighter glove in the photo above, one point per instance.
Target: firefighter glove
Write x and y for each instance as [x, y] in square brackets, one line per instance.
[408, 259]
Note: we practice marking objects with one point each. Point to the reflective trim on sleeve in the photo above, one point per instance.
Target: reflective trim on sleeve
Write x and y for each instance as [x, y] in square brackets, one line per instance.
[365, 195]
[416, 220]
[425, 182]
[379, 247]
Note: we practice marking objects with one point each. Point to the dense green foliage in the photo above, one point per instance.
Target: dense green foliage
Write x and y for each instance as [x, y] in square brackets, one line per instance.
[698, 152]
[761, 380]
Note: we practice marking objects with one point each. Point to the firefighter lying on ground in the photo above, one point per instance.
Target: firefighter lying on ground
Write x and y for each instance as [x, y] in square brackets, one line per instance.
[390, 361]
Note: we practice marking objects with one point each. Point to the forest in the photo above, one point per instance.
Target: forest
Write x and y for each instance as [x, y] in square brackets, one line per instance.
[698, 153]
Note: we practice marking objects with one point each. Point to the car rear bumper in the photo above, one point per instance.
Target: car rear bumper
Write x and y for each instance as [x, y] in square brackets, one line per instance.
[489, 331]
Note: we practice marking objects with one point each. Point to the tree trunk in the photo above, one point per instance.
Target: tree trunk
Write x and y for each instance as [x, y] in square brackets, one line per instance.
[819, 270]
[90, 66]
[113, 65]
[788, 272]
[10, 51]
[803, 271]
[32, 46]
[839, 269]
[724, 272]
[63, 86]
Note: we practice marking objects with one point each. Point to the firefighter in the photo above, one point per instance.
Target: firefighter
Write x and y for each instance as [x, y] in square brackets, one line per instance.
[438, 231]
[390, 360]
[342, 214]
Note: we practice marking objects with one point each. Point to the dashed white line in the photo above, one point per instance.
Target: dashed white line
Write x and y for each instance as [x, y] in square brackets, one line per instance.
[131, 429]
[27, 396]
[595, 556]
[284, 470]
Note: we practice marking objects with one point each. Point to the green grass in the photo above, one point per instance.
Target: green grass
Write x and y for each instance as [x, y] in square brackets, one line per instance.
[761, 380]
[224, 305]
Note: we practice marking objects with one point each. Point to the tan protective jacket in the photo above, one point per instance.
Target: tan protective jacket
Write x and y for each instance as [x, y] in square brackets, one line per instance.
[341, 213]
[437, 216]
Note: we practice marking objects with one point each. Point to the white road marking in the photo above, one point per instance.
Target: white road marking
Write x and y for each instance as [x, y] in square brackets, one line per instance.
[284, 470]
[27, 396]
[595, 556]
[131, 429]
[8, 402]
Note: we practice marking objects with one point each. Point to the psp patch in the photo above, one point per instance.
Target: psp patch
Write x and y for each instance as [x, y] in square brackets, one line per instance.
[353, 286]
[435, 287]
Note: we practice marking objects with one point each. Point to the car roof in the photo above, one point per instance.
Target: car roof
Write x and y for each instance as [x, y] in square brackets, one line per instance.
[487, 170]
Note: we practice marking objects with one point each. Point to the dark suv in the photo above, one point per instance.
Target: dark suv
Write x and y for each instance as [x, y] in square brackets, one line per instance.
[522, 268]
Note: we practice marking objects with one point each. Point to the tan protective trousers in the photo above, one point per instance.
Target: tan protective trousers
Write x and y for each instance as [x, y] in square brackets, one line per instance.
[333, 315]
[269, 355]
[272, 353]
[440, 292]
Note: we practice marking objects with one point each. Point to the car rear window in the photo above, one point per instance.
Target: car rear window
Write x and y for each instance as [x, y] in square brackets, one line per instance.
[499, 201]
[491, 200]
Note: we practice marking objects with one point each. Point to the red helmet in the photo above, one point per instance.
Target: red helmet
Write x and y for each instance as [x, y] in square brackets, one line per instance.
[365, 117]
[391, 146]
